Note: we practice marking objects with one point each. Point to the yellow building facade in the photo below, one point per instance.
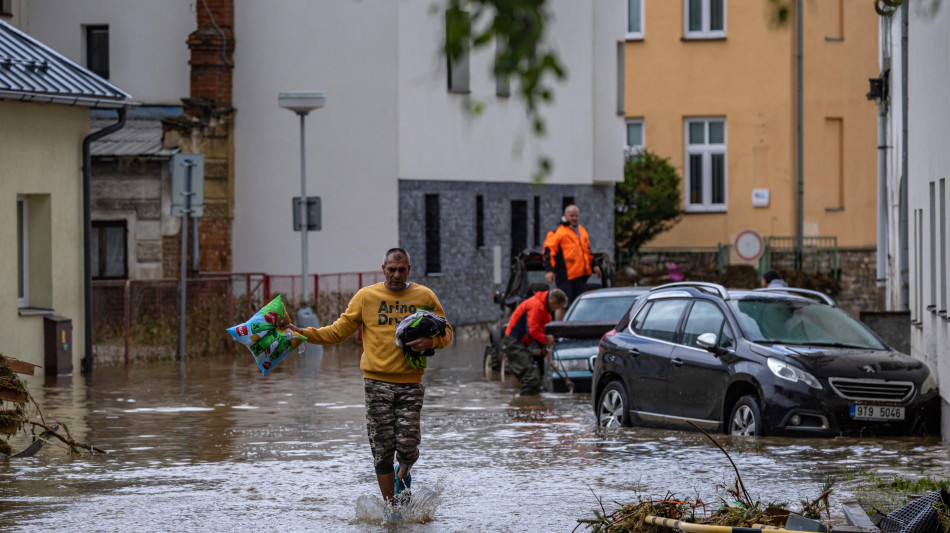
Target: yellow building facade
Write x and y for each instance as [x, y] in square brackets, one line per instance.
[712, 85]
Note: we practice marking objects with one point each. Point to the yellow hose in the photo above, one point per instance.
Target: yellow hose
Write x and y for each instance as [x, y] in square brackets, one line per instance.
[690, 527]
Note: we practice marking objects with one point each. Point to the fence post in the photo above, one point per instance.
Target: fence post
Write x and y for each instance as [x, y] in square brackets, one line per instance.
[230, 310]
[128, 319]
[316, 293]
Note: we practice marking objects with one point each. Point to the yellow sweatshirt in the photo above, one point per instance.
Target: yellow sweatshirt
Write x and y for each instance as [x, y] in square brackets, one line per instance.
[379, 311]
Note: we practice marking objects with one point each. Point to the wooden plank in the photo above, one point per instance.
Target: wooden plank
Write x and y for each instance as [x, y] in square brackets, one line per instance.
[9, 395]
[20, 367]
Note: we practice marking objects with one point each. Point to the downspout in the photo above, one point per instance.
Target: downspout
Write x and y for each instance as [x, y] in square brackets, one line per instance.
[882, 251]
[800, 222]
[904, 208]
[87, 229]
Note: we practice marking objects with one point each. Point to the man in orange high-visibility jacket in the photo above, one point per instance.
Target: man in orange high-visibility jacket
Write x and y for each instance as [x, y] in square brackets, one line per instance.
[526, 329]
[567, 256]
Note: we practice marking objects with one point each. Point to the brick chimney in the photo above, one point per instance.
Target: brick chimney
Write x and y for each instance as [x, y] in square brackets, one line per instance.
[208, 128]
[212, 54]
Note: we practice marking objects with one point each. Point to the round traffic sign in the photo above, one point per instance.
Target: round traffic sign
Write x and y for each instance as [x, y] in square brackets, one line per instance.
[749, 245]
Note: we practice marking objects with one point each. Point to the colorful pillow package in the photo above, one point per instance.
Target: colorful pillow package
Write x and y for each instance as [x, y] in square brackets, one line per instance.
[268, 343]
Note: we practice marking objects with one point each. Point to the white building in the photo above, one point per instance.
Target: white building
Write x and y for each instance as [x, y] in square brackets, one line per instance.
[915, 40]
[393, 138]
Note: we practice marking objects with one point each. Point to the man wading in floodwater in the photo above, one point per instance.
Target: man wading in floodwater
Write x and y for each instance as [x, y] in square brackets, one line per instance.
[393, 389]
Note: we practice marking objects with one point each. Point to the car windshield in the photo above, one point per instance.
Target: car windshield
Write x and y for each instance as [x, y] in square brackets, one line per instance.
[793, 321]
[600, 309]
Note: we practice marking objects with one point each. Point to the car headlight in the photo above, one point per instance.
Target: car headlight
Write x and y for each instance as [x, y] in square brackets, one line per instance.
[930, 384]
[570, 365]
[792, 373]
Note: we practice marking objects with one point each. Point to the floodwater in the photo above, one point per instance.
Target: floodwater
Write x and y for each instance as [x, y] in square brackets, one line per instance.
[221, 448]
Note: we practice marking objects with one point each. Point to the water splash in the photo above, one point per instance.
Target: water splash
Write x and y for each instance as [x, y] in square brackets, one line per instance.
[419, 508]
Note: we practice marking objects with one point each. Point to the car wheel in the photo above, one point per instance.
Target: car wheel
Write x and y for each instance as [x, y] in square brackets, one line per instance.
[613, 408]
[746, 419]
[503, 367]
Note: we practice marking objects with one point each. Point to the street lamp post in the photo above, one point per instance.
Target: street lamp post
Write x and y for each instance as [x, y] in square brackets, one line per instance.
[302, 103]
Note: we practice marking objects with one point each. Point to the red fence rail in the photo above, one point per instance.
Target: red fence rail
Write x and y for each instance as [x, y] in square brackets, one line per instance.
[133, 316]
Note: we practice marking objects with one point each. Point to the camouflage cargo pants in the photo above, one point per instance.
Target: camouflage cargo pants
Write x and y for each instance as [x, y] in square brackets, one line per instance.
[393, 414]
[522, 365]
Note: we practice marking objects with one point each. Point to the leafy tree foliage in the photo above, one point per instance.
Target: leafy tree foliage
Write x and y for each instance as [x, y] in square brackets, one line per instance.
[648, 201]
[517, 27]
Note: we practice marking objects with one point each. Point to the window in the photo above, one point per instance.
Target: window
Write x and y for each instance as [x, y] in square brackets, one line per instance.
[832, 18]
[108, 251]
[458, 22]
[635, 19]
[705, 167]
[22, 248]
[6, 7]
[832, 179]
[704, 19]
[502, 83]
[662, 318]
[97, 50]
[566, 201]
[519, 228]
[537, 221]
[634, 137]
[433, 240]
[704, 317]
[479, 221]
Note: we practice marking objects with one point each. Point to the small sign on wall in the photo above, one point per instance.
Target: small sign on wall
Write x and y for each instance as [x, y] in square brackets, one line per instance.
[760, 197]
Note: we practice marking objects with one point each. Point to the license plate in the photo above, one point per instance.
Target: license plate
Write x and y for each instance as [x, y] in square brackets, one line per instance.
[876, 412]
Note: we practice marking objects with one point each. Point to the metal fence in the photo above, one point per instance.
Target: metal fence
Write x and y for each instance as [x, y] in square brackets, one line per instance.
[139, 318]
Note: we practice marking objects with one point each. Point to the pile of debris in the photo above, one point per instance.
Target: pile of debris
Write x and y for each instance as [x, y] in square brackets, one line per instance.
[19, 413]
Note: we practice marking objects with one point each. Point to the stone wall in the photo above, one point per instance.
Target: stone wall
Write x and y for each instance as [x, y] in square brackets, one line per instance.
[465, 285]
[129, 189]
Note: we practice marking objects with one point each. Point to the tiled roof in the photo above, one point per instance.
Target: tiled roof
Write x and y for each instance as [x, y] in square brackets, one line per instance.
[139, 136]
[33, 72]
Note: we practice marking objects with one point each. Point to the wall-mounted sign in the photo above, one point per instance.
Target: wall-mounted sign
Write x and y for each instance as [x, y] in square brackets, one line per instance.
[749, 245]
[760, 197]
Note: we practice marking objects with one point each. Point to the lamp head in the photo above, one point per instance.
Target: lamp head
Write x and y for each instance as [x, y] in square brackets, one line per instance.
[302, 101]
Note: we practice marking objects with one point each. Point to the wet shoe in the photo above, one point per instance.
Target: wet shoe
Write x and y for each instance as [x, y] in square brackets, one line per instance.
[400, 486]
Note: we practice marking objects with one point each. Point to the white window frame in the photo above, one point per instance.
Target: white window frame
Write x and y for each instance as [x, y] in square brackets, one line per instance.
[630, 149]
[23, 251]
[706, 32]
[635, 35]
[707, 150]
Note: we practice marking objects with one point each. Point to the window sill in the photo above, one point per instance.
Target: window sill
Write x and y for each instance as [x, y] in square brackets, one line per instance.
[634, 38]
[433, 274]
[834, 39]
[703, 38]
[833, 209]
[35, 311]
[707, 210]
[460, 91]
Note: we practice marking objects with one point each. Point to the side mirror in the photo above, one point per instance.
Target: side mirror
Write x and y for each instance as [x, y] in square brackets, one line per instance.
[708, 341]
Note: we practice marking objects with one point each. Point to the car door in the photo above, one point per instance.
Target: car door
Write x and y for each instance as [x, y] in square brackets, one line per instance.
[698, 377]
[649, 349]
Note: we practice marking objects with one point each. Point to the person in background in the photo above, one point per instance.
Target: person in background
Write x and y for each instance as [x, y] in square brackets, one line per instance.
[568, 261]
[394, 389]
[526, 330]
[771, 279]
[674, 272]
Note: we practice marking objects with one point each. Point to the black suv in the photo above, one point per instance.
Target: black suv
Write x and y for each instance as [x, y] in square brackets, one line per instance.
[757, 362]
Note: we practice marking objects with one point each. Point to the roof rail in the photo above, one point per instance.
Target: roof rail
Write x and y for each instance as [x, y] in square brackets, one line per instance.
[824, 298]
[701, 285]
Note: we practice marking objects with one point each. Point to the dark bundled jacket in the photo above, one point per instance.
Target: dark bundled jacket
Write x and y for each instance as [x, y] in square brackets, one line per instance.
[529, 319]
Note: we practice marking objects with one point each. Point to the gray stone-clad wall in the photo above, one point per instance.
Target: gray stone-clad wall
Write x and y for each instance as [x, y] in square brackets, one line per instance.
[465, 285]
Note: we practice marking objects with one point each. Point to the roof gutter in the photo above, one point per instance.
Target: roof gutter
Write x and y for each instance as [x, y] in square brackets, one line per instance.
[87, 229]
[85, 101]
